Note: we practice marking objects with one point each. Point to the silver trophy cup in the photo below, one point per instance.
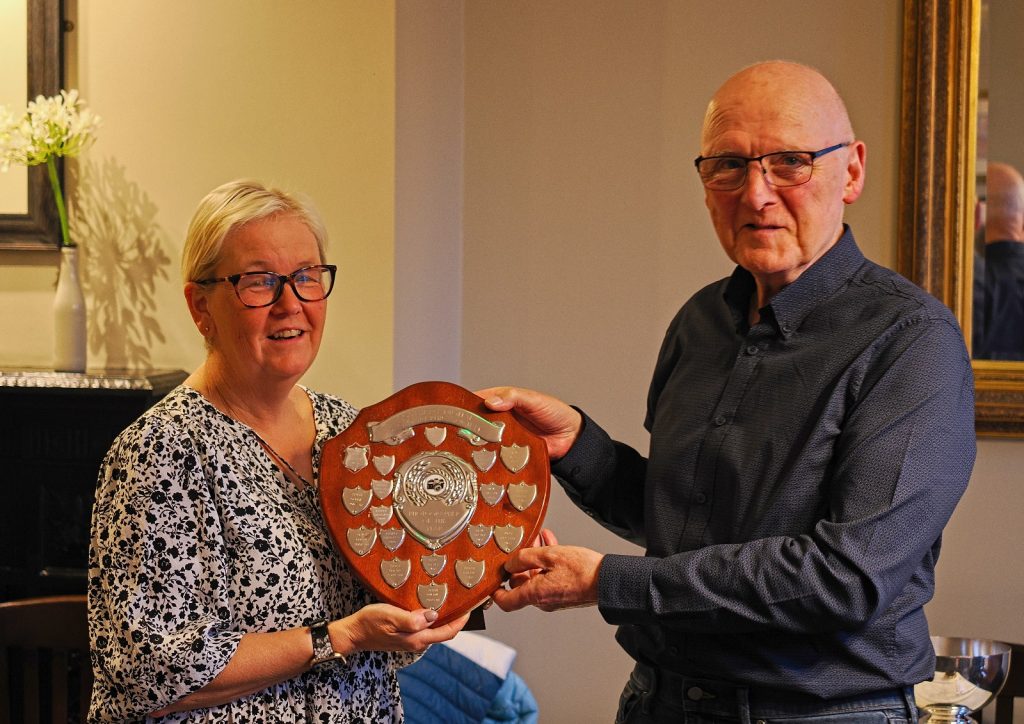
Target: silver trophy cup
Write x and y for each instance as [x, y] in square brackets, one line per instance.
[968, 675]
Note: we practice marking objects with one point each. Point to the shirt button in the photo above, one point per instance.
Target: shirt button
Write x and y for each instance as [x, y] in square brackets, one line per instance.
[700, 498]
[752, 349]
[694, 693]
[720, 420]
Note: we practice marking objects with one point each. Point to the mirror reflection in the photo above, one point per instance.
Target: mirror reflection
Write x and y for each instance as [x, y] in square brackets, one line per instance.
[13, 92]
[998, 292]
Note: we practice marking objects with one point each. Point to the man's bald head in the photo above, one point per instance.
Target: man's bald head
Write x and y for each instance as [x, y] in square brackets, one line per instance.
[792, 94]
[1004, 203]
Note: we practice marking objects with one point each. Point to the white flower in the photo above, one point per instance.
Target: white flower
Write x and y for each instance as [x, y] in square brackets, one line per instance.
[51, 128]
[8, 137]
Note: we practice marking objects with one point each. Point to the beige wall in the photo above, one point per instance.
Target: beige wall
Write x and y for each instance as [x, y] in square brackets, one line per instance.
[428, 190]
[193, 94]
[559, 202]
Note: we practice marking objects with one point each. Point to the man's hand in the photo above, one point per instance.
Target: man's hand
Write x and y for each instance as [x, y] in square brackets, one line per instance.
[550, 577]
[556, 422]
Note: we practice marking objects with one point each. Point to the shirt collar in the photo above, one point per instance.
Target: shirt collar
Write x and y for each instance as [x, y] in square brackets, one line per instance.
[793, 303]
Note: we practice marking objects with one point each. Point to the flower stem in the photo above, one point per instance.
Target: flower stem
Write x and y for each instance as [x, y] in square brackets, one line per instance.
[58, 196]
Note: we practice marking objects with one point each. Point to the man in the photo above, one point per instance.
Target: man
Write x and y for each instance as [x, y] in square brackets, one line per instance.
[999, 315]
[811, 422]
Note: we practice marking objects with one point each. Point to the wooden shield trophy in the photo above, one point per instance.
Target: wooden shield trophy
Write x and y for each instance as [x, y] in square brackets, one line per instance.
[428, 493]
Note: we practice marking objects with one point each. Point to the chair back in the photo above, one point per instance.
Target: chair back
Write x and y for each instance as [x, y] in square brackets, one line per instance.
[45, 674]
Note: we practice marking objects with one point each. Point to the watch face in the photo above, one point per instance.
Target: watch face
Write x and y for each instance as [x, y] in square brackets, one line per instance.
[321, 641]
[322, 649]
[428, 493]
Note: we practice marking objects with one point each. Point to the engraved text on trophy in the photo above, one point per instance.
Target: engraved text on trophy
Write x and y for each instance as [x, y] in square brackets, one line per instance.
[435, 496]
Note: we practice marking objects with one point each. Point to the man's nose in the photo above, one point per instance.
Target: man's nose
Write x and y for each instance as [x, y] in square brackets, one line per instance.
[756, 190]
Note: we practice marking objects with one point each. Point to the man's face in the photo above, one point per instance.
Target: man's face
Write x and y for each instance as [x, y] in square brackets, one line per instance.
[777, 232]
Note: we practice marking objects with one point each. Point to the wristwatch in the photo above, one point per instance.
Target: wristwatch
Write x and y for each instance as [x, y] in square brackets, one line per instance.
[323, 651]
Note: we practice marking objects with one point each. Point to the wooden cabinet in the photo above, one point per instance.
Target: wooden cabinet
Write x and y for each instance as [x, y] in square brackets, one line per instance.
[55, 428]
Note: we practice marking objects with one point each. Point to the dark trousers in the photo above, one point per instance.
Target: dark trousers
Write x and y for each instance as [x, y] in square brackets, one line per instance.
[654, 696]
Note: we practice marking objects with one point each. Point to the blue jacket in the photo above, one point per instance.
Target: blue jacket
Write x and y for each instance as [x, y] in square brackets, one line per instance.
[446, 687]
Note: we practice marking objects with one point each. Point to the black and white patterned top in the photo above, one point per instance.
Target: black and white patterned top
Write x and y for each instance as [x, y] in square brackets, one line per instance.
[198, 538]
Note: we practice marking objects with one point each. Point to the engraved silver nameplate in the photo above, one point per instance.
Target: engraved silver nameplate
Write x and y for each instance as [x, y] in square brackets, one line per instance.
[384, 463]
[435, 435]
[356, 457]
[392, 538]
[484, 459]
[433, 564]
[469, 572]
[522, 495]
[381, 488]
[355, 499]
[508, 537]
[361, 539]
[395, 572]
[491, 493]
[480, 534]
[381, 514]
[432, 595]
[515, 457]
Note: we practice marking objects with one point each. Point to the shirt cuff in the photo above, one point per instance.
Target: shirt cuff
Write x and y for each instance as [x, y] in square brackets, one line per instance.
[588, 456]
[623, 588]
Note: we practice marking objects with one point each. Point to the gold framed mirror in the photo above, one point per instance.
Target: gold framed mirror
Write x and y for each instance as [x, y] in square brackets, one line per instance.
[941, 41]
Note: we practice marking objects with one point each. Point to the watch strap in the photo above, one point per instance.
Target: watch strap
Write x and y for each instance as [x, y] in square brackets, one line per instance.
[323, 651]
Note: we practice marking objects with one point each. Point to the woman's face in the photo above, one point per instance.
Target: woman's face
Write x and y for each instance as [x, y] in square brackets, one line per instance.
[277, 342]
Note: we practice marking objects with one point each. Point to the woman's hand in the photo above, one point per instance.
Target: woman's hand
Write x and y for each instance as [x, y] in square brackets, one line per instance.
[383, 627]
[557, 423]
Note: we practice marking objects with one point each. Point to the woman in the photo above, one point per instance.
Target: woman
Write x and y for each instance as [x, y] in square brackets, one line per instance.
[210, 564]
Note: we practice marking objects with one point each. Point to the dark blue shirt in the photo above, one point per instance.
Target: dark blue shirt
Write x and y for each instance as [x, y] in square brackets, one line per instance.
[801, 471]
[999, 303]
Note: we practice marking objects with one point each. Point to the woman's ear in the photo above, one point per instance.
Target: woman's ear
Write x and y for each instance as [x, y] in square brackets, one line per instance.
[199, 307]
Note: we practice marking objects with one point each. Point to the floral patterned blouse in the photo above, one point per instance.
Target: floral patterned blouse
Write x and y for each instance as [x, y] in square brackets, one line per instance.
[198, 538]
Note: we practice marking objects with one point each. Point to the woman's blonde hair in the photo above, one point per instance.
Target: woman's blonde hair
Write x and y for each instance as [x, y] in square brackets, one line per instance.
[228, 207]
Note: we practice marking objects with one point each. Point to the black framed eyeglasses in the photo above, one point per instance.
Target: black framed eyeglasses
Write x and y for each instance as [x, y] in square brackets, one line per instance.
[781, 168]
[261, 289]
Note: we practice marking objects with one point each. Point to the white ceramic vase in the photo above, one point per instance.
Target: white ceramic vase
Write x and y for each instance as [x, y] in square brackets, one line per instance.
[69, 341]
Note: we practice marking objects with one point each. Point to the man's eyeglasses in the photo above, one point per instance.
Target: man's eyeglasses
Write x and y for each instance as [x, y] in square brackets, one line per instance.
[261, 289]
[782, 168]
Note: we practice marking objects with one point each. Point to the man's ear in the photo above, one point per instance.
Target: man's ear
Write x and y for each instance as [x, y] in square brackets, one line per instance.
[855, 169]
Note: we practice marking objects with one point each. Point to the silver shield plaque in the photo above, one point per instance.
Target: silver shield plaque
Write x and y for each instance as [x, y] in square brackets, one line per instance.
[435, 496]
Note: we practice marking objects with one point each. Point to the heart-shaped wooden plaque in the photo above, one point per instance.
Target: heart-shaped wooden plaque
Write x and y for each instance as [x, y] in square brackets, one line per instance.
[428, 493]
